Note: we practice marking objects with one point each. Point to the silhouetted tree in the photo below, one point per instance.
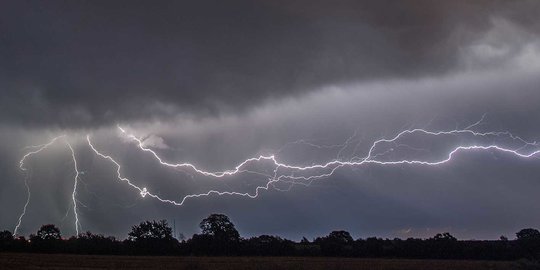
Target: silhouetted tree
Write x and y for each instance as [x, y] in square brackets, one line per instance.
[337, 243]
[413, 248]
[20, 244]
[47, 239]
[307, 248]
[89, 243]
[268, 245]
[150, 230]
[528, 234]
[444, 237]
[49, 232]
[529, 241]
[219, 237]
[444, 246]
[152, 237]
[343, 237]
[6, 236]
[6, 240]
[219, 227]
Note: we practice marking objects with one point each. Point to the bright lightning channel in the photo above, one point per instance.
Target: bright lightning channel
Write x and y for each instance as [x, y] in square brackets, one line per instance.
[40, 148]
[24, 169]
[282, 172]
[74, 193]
[314, 171]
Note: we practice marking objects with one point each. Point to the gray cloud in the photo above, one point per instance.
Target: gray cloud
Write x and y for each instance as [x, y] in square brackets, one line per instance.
[92, 63]
[478, 196]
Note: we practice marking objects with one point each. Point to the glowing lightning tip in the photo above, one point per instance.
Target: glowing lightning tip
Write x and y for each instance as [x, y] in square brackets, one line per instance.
[144, 192]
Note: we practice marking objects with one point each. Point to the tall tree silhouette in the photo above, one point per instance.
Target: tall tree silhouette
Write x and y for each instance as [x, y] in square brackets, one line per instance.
[152, 237]
[47, 239]
[218, 237]
[529, 241]
[219, 227]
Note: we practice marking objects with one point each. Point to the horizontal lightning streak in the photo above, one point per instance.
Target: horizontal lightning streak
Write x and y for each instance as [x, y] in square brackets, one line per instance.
[331, 166]
[144, 192]
[287, 173]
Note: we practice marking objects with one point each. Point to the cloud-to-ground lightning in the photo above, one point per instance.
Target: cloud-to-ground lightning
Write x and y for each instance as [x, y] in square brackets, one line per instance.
[305, 175]
[40, 148]
[75, 182]
[282, 173]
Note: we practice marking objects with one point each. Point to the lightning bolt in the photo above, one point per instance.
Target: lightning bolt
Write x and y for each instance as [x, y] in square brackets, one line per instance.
[143, 191]
[22, 167]
[305, 175]
[291, 174]
[74, 193]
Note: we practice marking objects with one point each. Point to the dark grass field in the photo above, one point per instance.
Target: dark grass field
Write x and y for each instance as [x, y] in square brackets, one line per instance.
[60, 261]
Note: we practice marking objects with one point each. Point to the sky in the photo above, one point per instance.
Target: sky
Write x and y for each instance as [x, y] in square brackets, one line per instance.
[215, 83]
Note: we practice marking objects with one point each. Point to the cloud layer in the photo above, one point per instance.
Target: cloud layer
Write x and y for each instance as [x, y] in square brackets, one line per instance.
[94, 63]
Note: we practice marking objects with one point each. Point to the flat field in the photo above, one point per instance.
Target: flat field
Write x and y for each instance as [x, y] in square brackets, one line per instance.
[66, 261]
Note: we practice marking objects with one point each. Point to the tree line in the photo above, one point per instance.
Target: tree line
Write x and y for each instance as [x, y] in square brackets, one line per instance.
[219, 237]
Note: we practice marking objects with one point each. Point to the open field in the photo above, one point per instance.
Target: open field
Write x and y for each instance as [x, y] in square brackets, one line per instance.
[61, 261]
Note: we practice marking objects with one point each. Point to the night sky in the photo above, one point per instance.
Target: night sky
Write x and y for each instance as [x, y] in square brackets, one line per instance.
[213, 83]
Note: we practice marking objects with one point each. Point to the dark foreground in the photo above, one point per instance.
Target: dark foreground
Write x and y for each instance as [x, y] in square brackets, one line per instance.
[61, 261]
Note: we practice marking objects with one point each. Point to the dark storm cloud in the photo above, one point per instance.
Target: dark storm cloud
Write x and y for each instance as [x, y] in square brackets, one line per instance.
[72, 64]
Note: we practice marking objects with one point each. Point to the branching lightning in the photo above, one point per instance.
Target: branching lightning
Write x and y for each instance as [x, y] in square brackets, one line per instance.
[40, 148]
[377, 153]
[24, 169]
[305, 175]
